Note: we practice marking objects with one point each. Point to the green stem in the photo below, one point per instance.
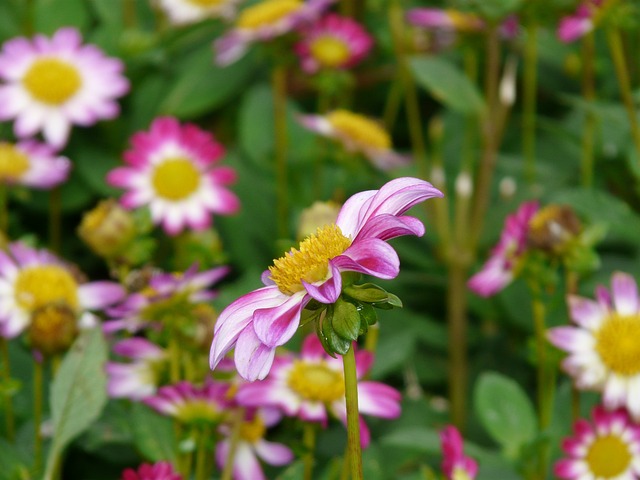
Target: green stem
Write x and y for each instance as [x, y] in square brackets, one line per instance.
[457, 324]
[55, 219]
[279, 83]
[371, 338]
[4, 211]
[37, 414]
[309, 442]
[129, 13]
[392, 104]
[237, 421]
[6, 380]
[354, 449]
[201, 455]
[589, 94]
[530, 87]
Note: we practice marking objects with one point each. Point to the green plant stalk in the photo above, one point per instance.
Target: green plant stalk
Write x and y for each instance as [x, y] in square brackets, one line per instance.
[4, 211]
[237, 421]
[129, 13]
[589, 94]
[37, 414]
[55, 219]
[354, 449]
[371, 338]
[279, 84]
[457, 326]
[201, 455]
[6, 379]
[392, 104]
[530, 87]
[309, 443]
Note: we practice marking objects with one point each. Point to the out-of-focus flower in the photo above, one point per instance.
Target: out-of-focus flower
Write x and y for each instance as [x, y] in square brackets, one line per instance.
[266, 318]
[604, 348]
[32, 164]
[140, 378]
[252, 446]
[156, 471]
[333, 42]
[53, 83]
[437, 18]
[172, 169]
[107, 229]
[316, 216]
[310, 386]
[264, 21]
[31, 280]
[357, 133]
[182, 12]
[455, 465]
[608, 449]
[573, 27]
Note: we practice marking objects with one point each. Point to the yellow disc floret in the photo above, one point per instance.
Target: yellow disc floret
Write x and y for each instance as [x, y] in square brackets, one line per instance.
[175, 179]
[52, 81]
[359, 129]
[253, 430]
[617, 344]
[198, 411]
[330, 51]
[13, 163]
[311, 262]
[266, 13]
[206, 3]
[316, 381]
[42, 285]
[608, 457]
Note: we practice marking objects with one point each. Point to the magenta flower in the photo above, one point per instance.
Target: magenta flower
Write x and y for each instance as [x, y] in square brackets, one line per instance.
[259, 322]
[455, 465]
[172, 169]
[53, 83]
[333, 42]
[192, 404]
[573, 27]
[608, 449]
[498, 271]
[310, 385]
[32, 164]
[156, 471]
[451, 20]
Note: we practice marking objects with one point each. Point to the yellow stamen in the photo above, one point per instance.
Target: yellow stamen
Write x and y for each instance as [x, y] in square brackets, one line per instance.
[330, 51]
[52, 81]
[464, 21]
[311, 262]
[198, 411]
[316, 381]
[266, 13]
[608, 457]
[13, 163]
[41, 285]
[360, 129]
[617, 344]
[206, 3]
[460, 474]
[543, 216]
[254, 430]
[175, 178]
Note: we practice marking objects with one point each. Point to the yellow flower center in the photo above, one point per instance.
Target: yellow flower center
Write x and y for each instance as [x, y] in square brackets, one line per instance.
[463, 21]
[460, 474]
[266, 13]
[13, 163]
[206, 3]
[608, 457]
[52, 81]
[617, 344]
[175, 178]
[544, 216]
[253, 430]
[360, 129]
[311, 262]
[198, 411]
[316, 381]
[41, 285]
[330, 51]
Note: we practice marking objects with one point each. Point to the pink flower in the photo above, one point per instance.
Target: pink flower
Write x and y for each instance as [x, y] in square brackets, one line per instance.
[437, 18]
[172, 169]
[455, 465]
[259, 322]
[573, 27]
[32, 164]
[333, 42]
[156, 471]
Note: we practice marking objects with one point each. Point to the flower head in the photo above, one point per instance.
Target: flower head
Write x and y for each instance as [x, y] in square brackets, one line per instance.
[573, 27]
[608, 449]
[107, 229]
[34, 281]
[604, 352]
[356, 133]
[333, 42]
[182, 12]
[172, 169]
[455, 465]
[264, 21]
[53, 83]
[266, 318]
[156, 471]
[32, 164]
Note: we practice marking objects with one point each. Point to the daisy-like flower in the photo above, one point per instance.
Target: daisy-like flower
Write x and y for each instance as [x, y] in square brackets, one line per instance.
[603, 347]
[455, 465]
[33, 280]
[357, 133]
[156, 471]
[573, 27]
[608, 449]
[251, 447]
[264, 21]
[451, 20]
[333, 42]
[140, 378]
[499, 270]
[172, 169]
[266, 318]
[182, 12]
[53, 83]
[310, 386]
[32, 164]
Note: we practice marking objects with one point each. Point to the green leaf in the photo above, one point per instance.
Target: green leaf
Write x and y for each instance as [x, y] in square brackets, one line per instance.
[78, 393]
[368, 293]
[12, 462]
[505, 411]
[50, 15]
[153, 434]
[497, 9]
[421, 439]
[345, 320]
[447, 84]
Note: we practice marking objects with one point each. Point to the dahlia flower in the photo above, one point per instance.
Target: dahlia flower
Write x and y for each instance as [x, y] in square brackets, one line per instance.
[182, 12]
[604, 352]
[156, 471]
[32, 164]
[264, 21]
[171, 169]
[573, 27]
[192, 404]
[53, 83]
[356, 133]
[32, 280]
[311, 385]
[257, 323]
[608, 449]
[333, 42]
[455, 465]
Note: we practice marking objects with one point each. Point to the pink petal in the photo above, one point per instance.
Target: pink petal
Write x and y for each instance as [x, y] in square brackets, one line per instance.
[274, 326]
[625, 293]
[378, 400]
[329, 291]
[253, 359]
[97, 295]
[273, 453]
[370, 256]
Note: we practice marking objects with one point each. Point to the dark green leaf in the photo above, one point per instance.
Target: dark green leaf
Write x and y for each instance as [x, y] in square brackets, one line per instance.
[153, 434]
[345, 320]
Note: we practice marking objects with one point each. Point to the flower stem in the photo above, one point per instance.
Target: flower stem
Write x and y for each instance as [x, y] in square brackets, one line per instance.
[55, 219]
[457, 324]
[589, 94]
[530, 86]
[354, 449]
[279, 83]
[309, 442]
[37, 414]
[237, 421]
[4, 211]
[6, 380]
[371, 338]
[201, 455]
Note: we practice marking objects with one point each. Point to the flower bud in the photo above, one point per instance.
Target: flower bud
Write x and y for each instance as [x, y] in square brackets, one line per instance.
[107, 229]
[53, 329]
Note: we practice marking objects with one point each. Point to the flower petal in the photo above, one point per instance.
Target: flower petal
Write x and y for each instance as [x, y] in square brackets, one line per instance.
[253, 359]
[274, 326]
[370, 256]
[329, 290]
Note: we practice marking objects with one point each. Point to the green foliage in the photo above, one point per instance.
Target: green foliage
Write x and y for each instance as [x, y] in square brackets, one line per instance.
[153, 434]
